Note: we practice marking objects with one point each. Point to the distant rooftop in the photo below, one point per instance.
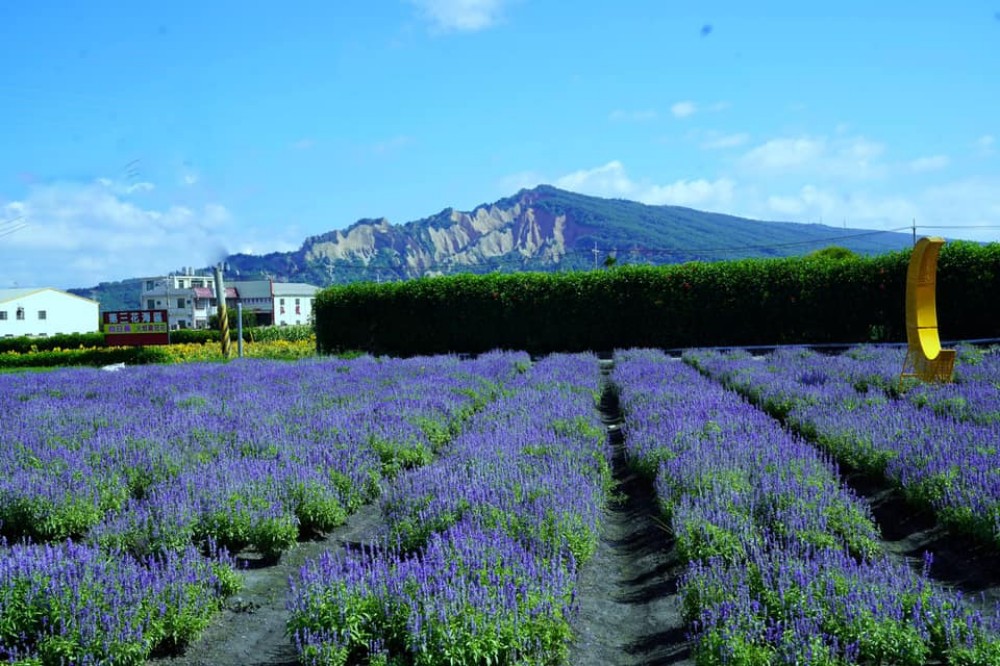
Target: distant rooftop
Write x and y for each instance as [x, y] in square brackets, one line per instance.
[13, 294]
[293, 289]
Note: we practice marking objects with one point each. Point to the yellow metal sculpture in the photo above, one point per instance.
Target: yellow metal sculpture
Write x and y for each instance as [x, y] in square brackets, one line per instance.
[925, 359]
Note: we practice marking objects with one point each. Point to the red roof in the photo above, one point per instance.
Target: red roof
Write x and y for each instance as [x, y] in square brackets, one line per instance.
[205, 292]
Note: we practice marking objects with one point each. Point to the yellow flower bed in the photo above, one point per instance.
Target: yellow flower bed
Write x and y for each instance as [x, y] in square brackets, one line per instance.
[212, 351]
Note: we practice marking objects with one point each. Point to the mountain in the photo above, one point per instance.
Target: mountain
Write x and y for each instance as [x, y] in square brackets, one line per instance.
[544, 228]
[547, 229]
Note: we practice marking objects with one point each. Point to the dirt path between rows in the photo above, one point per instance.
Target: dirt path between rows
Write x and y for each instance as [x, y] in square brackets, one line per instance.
[250, 631]
[957, 563]
[629, 609]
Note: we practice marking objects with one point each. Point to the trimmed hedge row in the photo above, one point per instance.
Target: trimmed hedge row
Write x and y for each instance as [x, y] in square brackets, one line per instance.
[819, 299]
[97, 356]
[23, 345]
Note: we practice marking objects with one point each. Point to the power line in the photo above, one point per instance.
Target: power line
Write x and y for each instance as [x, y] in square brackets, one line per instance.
[797, 243]
[959, 226]
[8, 227]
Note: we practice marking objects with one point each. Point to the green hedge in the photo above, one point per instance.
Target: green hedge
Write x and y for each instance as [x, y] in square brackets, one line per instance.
[78, 357]
[23, 345]
[817, 299]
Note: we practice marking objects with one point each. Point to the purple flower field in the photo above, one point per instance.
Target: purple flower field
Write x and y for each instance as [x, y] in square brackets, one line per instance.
[939, 444]
[137, 488]
[785, 565]
[484, 543]
[129, 502]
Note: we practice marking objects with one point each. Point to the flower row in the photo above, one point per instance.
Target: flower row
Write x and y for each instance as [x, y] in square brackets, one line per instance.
[784, 564]
[482, 546]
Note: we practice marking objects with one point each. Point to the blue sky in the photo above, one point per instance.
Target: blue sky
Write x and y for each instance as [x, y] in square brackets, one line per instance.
[136, 138]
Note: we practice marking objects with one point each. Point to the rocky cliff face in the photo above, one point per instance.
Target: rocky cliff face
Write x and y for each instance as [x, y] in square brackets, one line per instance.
[543, 229]
[451, 240]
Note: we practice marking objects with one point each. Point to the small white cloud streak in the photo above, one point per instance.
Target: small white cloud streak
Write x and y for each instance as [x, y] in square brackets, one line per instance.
[931, 163]
[461, 15]
[985, 144]
[684, 109]
[724, 141]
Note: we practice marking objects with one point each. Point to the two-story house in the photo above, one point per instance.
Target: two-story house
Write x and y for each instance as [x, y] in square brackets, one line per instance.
[190, 301]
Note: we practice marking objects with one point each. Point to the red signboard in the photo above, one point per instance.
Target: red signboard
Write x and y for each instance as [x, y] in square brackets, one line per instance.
[125, 328]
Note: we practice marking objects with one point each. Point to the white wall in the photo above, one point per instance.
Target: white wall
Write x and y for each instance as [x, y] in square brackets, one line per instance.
[64, 313]
[290, 318]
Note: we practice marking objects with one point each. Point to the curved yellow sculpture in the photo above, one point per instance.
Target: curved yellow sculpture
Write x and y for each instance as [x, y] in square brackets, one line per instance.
[925, 359]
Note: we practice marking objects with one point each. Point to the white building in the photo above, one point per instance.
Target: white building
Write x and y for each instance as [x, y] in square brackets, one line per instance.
[293, 303]
[45, 311]
[190, 299]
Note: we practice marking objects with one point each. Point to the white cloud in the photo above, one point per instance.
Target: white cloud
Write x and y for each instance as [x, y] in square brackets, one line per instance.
[836, 207]
[189, 178]
[620, 115]
[985, 144]
[81, 234]
[716, 141]
[849, 158]
[684, 109]
[971, 202]
[611, 180]
[932, 163]
[968, 203]
[781, 154]
[461, 15]
[118, 187]
[699, 193]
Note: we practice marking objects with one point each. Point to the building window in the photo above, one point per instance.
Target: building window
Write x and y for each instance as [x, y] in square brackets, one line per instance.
[20, 314]
[296, 301]
[281, 301]
[197, 283]
[149, 285]
[3, 315]
[180, 303]
[150, 304]
[41, 314]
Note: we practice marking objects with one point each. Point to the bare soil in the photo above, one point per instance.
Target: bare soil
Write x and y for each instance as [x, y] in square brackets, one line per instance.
[629, 609]
[908, 533]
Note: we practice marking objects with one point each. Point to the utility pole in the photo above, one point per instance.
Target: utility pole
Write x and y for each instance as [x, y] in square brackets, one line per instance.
[220, 298]
[596, 254]
[914, 232]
